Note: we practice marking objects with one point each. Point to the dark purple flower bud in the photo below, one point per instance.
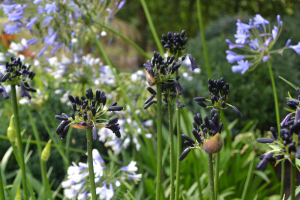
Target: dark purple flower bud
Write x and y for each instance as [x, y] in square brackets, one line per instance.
[213, 125]
[298, 152]
[149, 104]
[5, 77]
[236, 111]
[220, 127]
[93, 109]
[188, 143]
[198, 99]
[206, 121]
[199, 117]
[103, 98]
[115, 108]
[4, 93]
[212, 113]
[30, 89]
[185, 40]
[262, 165]
[197, 120]
[201, 104]
[292, 103]
[24, 92]
[195, 125]
[264, 140]
[85, 117]
[61, 126]
[113, 120]
[180, 105]
[286, 119]
[89, 93]
[74, 107]
[188, 138]
[60, 117]
[184, 153]
[179, 88]
[71, 98]
[164, 37]
[98, 95]
[94, 133]
[291, 147]
[150, 89]
[114, 128]
[73, 116]
[196, 135]
[149, 99]
[63, 134]
[182, 33]
[193, 63]
[113, 104]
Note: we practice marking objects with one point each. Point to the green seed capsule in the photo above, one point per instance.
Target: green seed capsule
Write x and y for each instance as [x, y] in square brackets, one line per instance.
[11, 132]
[46, 151]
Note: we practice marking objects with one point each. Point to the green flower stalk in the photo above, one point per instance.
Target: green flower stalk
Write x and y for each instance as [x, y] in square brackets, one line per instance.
[17, 74]
[89, 112]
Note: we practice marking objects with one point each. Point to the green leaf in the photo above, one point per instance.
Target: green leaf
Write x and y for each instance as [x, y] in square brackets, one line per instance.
[262, 175]
[296, 193]
[131, 196]
[291, 84]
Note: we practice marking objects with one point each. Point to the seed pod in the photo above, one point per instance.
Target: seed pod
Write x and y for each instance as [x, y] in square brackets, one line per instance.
[214, 144]
[46, 151]
[184, 153]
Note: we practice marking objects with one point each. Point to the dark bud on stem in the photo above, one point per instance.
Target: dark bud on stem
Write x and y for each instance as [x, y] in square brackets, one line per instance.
[71, 98]
[184, 153]
[115, 108]
[196, 135]
[113, 120]
[149, 104]
[59, 117]
[198, 99]
[113, 104]
[264, 140]
[188, 138]
[236, 111]
[89, 93]
[149, 99]
[94, 133]
[150, 89]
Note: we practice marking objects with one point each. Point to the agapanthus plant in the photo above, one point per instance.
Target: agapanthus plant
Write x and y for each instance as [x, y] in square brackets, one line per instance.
[89, 115]
[254, 43]
[208, 132]
[76, 185]
[286, 144]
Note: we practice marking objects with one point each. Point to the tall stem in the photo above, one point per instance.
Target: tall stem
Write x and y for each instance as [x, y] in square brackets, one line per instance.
[178, 150]
[293, 177]
[48, 189]
[245, 190]
[217, 169]
[159, 142]
[19, 139]
[171, 134]
[2, 195]
[123, 91]
[90, 161]
[278, 122]
[152, 28]
[203, 39]
[211, 177]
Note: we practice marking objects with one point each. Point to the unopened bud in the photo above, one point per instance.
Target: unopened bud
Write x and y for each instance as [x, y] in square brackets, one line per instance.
[11, 132]
[46, 151]
[18, 194]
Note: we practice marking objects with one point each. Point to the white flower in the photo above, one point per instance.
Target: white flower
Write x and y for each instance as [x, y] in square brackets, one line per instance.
[105, 193]
[136, 177]
[130, 168]
[70, 193]
[118, 183]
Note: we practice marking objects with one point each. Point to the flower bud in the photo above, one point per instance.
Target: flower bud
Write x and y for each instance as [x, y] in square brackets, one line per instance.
[213, 145]
[18, 194]
[46, 151]
[11, 132]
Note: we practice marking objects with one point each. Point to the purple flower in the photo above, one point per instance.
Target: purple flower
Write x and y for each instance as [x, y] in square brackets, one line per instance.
[296, 47]
[265, 58]
[274, 32]
[288, 42]
[228, 41]
[56, 48]
[7, 8]
[24, 92]
[243, 26]
[258, 19]
[42, 51]
[267, 42]
[47, 20]
[242, 66]
[30, 23]
[50, 39]
[50, 8]
[286, 119]
[32, 41]
[12, 29]
[4, 93]
[241, 37]
[36, 2]
[233, 46]
[121, 4]
[231, 58]
[41, 10]
[15, 16]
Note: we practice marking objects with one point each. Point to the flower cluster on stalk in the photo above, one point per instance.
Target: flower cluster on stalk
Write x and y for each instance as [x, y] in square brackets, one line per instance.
[42, 18]
[255, 42]
[77, 183]
[286, 145]
[88, 114]
[17, 73]
[207, 132]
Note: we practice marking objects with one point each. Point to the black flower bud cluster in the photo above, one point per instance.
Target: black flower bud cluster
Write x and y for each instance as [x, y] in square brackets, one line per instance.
[265, 159]
[17, 74]
[203, 130]
[289, 135]
[89, 110]
[218, 95]
[174, 43]
[160, 70]
[293, 103]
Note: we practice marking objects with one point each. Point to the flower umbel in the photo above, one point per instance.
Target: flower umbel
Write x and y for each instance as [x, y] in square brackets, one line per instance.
[89, 111]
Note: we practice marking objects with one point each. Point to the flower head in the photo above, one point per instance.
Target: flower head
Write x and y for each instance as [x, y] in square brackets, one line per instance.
[16, 73]
[90, 110]
[254, 43]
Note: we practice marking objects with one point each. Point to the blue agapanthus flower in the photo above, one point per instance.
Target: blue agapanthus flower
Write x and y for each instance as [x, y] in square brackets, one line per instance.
[254, 42]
